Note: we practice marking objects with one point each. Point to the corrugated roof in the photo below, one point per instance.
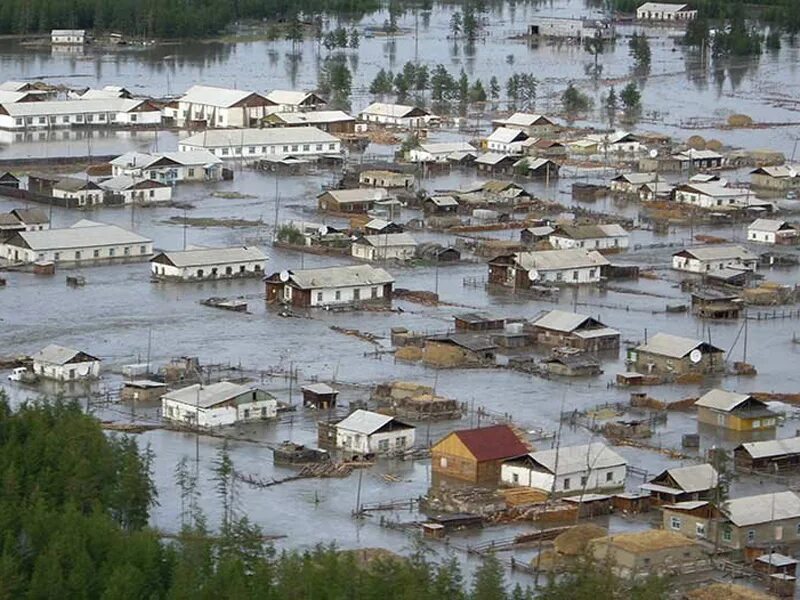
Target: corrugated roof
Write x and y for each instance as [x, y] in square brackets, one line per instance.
[693, 478]
[333, 277]
[364, 422]
[578, 459]
[721, 400]
[674, 346]
[313, 117]
[719, 252]
[443, 200]
[561, 320]
[504, 135]
[491, 158]
[71, 107]
[447, 147]
[289, 97]
[213, 256]
[56, 355]
[207, 396]
[663, 7]
[389, 239]
[391, 110]
[186, 158]
[126, 182]
[773, 448]
[522, 119]
[492, 443]
[226, 138]
[82, 234]
[772, 225]
[587, 232]
[319, 388]
[763, 508]
[358, 194]
[215, 96]
[553, 260]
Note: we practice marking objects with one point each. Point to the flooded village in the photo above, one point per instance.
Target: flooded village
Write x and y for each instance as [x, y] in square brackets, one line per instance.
[520, 280]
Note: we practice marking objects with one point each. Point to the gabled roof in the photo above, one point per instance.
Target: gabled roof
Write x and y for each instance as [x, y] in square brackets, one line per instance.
[122, 183]
[718, 252]
[577, 459]
[491, 443]
[772, 448]
[388, 240]
[394, 110]
[357, 195]
[447, 147]
[503, 135]
[673, 346]
[521, 119]
[210, 256]
[73, 184]
[443, 200]
[82, 234]
[778, 172]
[723, 400]
[333, 277]
[293, 97]
[561, 320]
[763, 508]
[636, 178]
[232, 138]
[493, 158]
[216, 96]
[31, 216]
[70, 107]
[772, 225]
[663, 7]
[186, 158]
[588, 232]
[312, 117]
[715, 189]
[553, 260]
[367, 422]
[60, 355]
[208, 396]
[693, 478]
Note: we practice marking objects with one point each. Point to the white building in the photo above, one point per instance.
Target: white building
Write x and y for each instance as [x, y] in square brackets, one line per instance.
[78, 192]
[332, 121]
[199, 264]
[771, 231]
[104, 112]
[84, 242]
[618, 142]
[663, 11]
[631, 183]
[125, 189]
[294, 101]
[398, 115]
[264, 143]
[32, 219]
[223, 403]
[576, 266]
[366, 432]
[221, 107]
[571, 29]
[72, 37]
[330, 286]
[506, 141]
[592, 237]
[388, 246]
[65, 364]
[575, 469]
[440, 152]
[169, 167]
[532, 124]
[705, 259]
[712, 195]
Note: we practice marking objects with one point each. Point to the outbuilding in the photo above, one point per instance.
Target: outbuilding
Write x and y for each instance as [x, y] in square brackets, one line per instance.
[65, 364]
[768, 456]
[388, 246]
[359, 200]
[573, 330]
[647, 553]
[222, 403]
[365, 432]
[682, 484]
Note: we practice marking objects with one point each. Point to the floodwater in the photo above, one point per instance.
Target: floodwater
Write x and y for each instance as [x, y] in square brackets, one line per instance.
[119, 314]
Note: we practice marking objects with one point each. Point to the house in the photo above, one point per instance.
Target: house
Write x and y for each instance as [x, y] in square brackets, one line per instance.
[567, 365]
[332, 121]
[124, 189]
[567, 470]
[330, 286]
[618, 142]
[656, 191]
[33, 219]
[440, 206]
[772, 231]
[440, 152]
[80, 193]
[85, 242]
[666, 354]
[682, 484]
[701, 160]
[9, 181]
[202, 264]
[388, 246]
[382, 227]
[533, 235]
[272, 142]
[169, 167]
[769, 456]
[705, 259]
[142, 390]
[570, 29]
[524, 269]
[738, 412]
[284, 101]
[221, 107]
[108, 91]
[386, 179]
[9, 224]
[591, 237]
[712, 303]
[572, 330]
[398, 115]
[319, 395]
[493, 191]
[545, 148]
[366, 432]
[71, 37]
[218, 404]
[781, 178]
[506, 141]
[474, 321]
[433, 252]
[103, 112]
[666, 12]
[7, 97]
[646, 553]
[476, 455]
[532, 124]
[459, 349]
[65, 364]
[357, 200]
[631, 183]
[537, 168]
[689, 517]
[712, 195]
[495, 163]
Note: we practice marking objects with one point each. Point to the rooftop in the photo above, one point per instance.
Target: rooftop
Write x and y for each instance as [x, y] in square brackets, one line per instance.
[673, 346]
[772, 448]
[646, 541]
[763, 508]
[82, 234]
[551, 260]
[208, 396]
[58, 355]
[210, 256]
[226, 138]
[577, 459]
[332, 277]
[366, 422]
[215, 96]
[723, 400]
[491, 443]
[718, 252]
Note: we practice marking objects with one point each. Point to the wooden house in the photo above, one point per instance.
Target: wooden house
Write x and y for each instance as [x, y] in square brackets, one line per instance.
[330, 286]
[476, 455]
[681, 484]
[478, 322]
[9, 180]
[522, 270]
[495, 163]
[319, 395]
[672, 355]
[768, 456]
[350, 201]
[572, 365]
[646, 553]
[562, 328]
[142, 390]
[737, 412]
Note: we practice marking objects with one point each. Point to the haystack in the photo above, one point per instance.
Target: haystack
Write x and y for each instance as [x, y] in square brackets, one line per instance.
[714, 145]
[697, 142]
[547, 561]
[444, 355]
[575, 540]
[740, 121]
[409, 353]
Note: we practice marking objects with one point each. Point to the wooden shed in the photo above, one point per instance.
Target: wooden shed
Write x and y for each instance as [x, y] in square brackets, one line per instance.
[319, 395]
[142, 390]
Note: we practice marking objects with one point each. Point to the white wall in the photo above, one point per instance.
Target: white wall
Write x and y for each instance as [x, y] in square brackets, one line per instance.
[564, 243]
[356, 442]
[145, 196]
[573, 276]
[82, 370]
[192, 273]
[756, 235]
[345, 295]
[78, 255]
[247, 152]
[95, 119]
[596, 479]
[84, 197]
[373, 253]
[693, 265]
[223, 415]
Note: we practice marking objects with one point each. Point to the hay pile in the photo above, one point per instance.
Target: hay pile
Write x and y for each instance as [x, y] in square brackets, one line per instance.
[697, 142]
[714, 145]
[575, 540]
[729, 591]
[443, 355]
[740, 121]
[547, 561]
[409, 353]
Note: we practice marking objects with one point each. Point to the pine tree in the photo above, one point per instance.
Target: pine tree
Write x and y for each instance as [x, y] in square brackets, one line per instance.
[488, 583]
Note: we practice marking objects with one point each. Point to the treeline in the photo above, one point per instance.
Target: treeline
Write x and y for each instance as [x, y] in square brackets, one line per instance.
[73, 519]
[782, 13]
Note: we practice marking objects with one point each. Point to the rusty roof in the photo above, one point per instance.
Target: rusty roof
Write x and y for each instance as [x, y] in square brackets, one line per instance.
[492, 443]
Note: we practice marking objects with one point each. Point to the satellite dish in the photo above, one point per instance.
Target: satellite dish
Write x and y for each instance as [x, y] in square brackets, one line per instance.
[653, 153]
[533, 275]
[695, 356]
[791, 171]
[284, 276]
[323, 230]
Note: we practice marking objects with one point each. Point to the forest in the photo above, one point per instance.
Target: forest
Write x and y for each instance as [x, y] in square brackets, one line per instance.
[74, 514]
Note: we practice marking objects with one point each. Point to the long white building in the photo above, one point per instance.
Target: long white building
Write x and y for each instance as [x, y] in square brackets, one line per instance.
[104, 112]
[254, 144]
[199, 264]
[705, 259]
[169, 167]
[221, 107]
[223, 403]
[85, 242]
[125, 189]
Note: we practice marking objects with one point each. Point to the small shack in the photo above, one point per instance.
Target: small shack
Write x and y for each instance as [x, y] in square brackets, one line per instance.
[319, 395]
[475, 321]
[681, 484]
[770, 456]
[572, 366]
[647, 552]
[142, 390]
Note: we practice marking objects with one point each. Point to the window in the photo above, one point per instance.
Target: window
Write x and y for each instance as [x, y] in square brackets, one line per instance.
[228, 270]
[591, 273]
[56, 255]
[559, 276]
[103, 117]
[111, 251]
[42, 120]
[584, 480]
[319, 296]
[127, 251]
[200, 272]
[263, 412]
[331, 146]
[19, 121]
[77, 255]
[675, 522]
[251, 150]
[751, 535]
[374, 292]
[246, 413]
[700, 530]
[338, 295]
[574, 276]
[96, 253]
[214, 271]
[191, 172]
[727, 535]
[610, 476]
[286, 148]
[306, 147]
[319, 147]
[142, 249]
[225, 151]
[294, 147]
[400, 442]
[242, 268]
[134, 117]
[566, 483]
[89, 118]
[356, 294]
[515, 478]
[383, 445]
[756, 424]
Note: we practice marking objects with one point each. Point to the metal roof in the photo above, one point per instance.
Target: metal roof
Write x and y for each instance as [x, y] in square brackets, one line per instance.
[554, 260]
[208, 396]
[763, 508]
[663, 7]
[333, 277]
[82, 234]
[364, 422]
[71, 107]
[186, 158]
[56, 355]
[718, 252]
[588, 232]
[448, 147]
[715, 189]
[561, 320]
[74, 184]
[391, 110]
[772, 225]
[504, 135]
[215, 96]
[772, 448]
[289, 97]
[313, 117]
[225, 138]
[588, 334]
[692, 478]
[212, 256]
[779, 172]
[721, 400]
[637, 178]
[492, 158]
[389, 239]
[443, 200]
[776, 559]
[522, 119]
[688, 505]
[358, 194]
[578, 459]
[319, 388]
[31, 216]
[490, 443]
[673, 346]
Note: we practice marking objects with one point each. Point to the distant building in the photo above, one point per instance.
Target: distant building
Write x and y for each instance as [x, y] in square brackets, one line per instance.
[77, 193]
[567, 329]
[388, 246]
[698, 160]
[706, 259]
[127, 190]
[272, 142]
[71, 37]
[665, 12]
[357, 200]
[567, 470]
[495, 163]
[682, 484]
[769, 456]
[221, 107]
[665, 354]
[85, 242]
[737, 412]
[104, 112]
[646, 553]
[203, 264]
[319, 395]
[537, 168]
[440, 205]
[169, 167]
[575, 29]
[218, 404]
[330, 286]
[295, 101]
[772, 231]
[65, 364]
[591, 237]
[476, 455]
[506, 141]
[9, 180]
[398, 115]
[440, 152]
[631, 183]
[524, 269]
[366, 432]
[712, 195]
[386, 179]
[33, 219]
[331, 121]
[532, 124]
[781, 178]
